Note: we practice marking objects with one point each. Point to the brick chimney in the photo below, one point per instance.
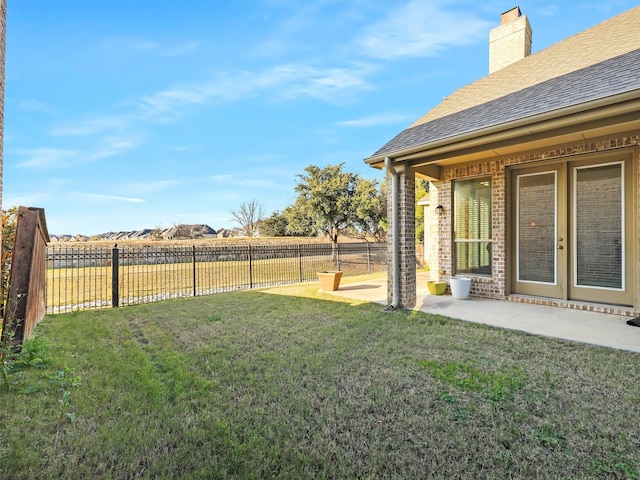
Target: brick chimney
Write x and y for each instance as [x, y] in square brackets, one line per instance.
[511, 41]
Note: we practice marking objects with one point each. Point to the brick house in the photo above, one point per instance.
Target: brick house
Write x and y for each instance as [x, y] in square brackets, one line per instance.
[533, 174]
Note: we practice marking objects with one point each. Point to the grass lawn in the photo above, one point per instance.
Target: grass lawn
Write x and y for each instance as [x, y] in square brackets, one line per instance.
[292, 383]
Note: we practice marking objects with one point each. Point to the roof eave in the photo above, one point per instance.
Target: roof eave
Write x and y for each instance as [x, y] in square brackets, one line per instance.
[593, 110]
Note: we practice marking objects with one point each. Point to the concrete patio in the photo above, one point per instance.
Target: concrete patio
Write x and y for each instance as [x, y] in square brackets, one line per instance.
[575, 325]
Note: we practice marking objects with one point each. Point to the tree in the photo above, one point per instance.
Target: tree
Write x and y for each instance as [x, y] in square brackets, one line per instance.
[249, 216]
[370, 211]
[325, 200]
[422, 188]
[333, 201]
[275, 225]
[156, 233]
[298, 224]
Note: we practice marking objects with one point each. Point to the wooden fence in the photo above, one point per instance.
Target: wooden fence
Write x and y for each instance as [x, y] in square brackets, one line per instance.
[25, 304]
[97, 276]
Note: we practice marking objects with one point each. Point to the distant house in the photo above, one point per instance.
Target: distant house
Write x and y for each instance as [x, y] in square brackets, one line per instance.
[225, 233]
[533, 173]
[79, 238]
[178, 232]
[184, 231]
[122, 236]
[60, 238]
[140, 234]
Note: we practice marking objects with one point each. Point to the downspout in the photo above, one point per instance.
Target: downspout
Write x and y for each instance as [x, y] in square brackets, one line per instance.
[395, 246]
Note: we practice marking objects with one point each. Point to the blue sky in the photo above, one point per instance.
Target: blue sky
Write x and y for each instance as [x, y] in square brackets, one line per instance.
[129, 114]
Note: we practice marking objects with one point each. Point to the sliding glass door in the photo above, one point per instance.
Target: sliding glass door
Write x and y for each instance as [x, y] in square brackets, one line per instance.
[572, 231]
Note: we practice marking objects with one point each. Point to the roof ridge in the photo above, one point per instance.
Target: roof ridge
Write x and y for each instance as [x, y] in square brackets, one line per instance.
[592, 82]
[608, 39]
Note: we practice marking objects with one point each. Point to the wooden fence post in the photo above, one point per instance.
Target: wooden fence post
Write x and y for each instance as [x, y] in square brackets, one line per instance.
[26, 299]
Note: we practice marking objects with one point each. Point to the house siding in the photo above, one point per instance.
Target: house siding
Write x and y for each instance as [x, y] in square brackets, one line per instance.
[587, 84]
[440, 245]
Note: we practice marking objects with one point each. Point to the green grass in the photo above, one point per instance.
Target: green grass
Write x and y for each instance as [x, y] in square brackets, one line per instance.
[292, 383]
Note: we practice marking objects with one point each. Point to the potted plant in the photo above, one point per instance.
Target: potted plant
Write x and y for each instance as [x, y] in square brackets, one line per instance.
[436, 287]
[460, 287]
[329, 281]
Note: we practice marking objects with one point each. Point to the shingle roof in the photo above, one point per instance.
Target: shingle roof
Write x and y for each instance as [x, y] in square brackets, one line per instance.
[617, 75]
[595, 63]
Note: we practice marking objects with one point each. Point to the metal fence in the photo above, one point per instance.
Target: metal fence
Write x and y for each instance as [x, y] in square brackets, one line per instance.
[87, 277]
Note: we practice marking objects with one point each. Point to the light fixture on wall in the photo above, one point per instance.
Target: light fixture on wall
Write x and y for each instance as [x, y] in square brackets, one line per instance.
[440, 210]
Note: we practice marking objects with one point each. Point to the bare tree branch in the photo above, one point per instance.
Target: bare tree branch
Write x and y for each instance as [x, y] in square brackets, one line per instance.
[249, 216]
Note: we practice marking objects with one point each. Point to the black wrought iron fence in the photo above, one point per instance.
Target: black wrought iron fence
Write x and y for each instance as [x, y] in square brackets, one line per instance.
[86, 276]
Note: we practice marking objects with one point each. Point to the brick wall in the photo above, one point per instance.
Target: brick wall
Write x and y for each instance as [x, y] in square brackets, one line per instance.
[440, 244]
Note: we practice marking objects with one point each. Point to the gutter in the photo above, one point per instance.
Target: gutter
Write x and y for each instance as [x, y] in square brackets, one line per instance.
[395, 246]
[571, 115]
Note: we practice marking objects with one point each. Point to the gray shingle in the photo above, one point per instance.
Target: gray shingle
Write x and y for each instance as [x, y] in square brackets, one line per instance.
[616, 75]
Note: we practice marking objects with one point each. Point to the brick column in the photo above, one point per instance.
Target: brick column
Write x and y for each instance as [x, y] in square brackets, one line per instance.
[406, 238]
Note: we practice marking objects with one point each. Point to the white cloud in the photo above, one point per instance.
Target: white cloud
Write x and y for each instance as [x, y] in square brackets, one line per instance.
[109, 147]
[421, 29]
[256, 183]
[167, 101]
[33, 105]
[151, 186]
[180, 148]
[179, 49]
[107, 198]
[28, 200]
[284, 82]
[143, 46]
[140, 46]
[240, 179]
[328, 84]
[46, 157]
[548, 10]
[221, 178]
[376, 120]
[91, 126]
[288, 81]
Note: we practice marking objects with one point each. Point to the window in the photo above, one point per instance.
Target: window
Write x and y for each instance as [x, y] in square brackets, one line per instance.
[472, 226]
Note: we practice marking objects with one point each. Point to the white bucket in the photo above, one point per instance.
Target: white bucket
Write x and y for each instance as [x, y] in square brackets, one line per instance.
[460, 287]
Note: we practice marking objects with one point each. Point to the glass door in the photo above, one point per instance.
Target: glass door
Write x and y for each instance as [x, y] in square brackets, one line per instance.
[539, 238]
[600, 230]
[573, 230]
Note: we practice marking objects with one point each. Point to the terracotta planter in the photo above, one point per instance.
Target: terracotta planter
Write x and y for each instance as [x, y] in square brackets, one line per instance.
[329, 281]
[436, 288]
